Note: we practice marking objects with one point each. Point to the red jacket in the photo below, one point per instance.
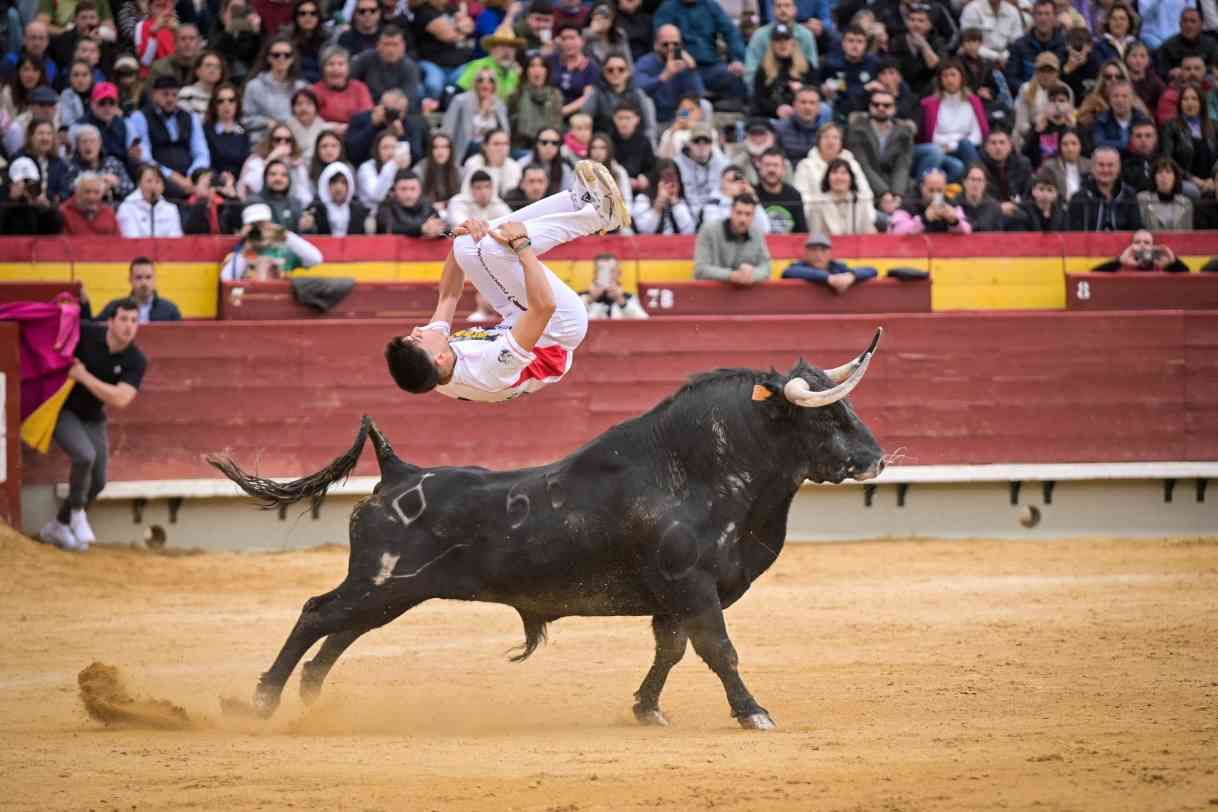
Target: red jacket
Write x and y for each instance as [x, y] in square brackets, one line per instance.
[76, 222]
[338, 106]
[930, 118]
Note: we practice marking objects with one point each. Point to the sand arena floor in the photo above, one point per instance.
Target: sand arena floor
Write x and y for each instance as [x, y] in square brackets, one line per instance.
[903, 675]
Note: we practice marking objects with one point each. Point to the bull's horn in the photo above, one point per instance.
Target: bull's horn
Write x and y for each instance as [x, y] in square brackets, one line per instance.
[798, 392]
[839, 374]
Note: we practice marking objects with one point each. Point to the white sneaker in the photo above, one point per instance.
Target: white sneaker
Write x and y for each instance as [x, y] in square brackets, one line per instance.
[59, 534]
[80, 528]
[595, 186]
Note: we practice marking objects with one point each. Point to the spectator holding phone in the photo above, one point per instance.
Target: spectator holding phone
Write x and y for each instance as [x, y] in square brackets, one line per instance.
[266, 251]
[1142, 254]
[606, 298]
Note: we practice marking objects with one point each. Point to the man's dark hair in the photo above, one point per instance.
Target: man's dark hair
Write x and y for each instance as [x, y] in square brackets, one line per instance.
[411, 367]
[125, 303]
[402, 174]
[1141, 124]
[626, 104]
[85, 5]
[855, 29]
[564, 27]
[140, 261]
[479, 176]
[1039, 3]
[533, 167]
[974, 34]
[774, 151]
[744, 199]
[391, 30]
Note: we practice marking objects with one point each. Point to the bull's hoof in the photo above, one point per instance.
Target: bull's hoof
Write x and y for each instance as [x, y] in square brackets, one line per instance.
[266, 700]
[757, 721]
[651, 717]
[310, 683]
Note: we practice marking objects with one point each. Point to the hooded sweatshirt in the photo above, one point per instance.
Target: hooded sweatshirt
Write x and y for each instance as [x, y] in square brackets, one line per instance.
[340, 219]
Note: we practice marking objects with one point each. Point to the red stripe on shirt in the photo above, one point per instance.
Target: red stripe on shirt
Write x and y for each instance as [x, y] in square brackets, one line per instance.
[549, 362]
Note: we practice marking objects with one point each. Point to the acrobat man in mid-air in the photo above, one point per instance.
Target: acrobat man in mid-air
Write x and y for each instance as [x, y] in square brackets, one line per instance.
[544, 321]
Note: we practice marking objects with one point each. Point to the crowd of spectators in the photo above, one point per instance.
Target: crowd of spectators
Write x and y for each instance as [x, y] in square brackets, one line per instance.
[168, 117]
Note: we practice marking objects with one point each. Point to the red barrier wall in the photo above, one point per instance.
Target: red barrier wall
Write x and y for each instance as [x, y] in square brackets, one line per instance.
[948, 388]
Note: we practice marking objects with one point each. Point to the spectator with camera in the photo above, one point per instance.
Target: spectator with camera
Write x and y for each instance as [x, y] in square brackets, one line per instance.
[266, 250]
[26, 209]
[1142, 254]
[606, 298]
[732, 184]
[1104, 202]
[661, 207]
[375, 177]
[337, 210]
[733, 250]
[927, 210]
[145, 212]
[706, 25]
[391, 115]
[1164, 207]
[668, 74]
[407, 212]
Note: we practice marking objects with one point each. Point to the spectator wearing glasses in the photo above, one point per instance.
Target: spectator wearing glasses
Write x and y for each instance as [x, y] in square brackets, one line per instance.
[669, 73]
[268, 96]
[547, 151]
[277, 146]
[340, 97]
[614, 88]
[1165, 208]
[501, 48]
[884, 150]
[536, 105]
[365, 26]
[439, 36]
[228, 144]
[706, 26]
[309, 37]
[1096, 101]
[173, 139]
[701, 164]
[1081, 66]
[387, 67]
[104, 114]
[474, 113]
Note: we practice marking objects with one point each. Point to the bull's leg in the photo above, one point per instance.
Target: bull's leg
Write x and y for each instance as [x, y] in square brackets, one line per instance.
[670, 648]
[708, 633]
[322, 615]
[314, 672]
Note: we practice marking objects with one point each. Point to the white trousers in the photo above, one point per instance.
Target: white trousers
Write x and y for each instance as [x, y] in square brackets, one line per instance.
[496, 272]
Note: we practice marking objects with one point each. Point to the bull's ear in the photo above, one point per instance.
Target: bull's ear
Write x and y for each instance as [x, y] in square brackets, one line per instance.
[766, 390]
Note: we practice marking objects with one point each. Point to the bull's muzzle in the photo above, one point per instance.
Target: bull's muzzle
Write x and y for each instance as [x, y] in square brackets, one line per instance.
[872, 472]
[846, 377]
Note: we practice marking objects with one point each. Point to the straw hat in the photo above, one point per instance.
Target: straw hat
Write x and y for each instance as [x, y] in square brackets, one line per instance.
[503, 36]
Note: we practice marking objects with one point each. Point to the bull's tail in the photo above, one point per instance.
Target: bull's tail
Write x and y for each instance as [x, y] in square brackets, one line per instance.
[271, 494]
[534, 635]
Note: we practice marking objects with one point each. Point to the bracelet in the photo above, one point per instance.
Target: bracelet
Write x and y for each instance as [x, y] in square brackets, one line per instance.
[513, 243]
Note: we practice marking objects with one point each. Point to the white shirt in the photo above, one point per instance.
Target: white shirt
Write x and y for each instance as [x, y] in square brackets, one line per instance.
[492, 367]
[957, 122]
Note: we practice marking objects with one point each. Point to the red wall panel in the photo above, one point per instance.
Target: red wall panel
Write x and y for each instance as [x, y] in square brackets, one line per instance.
[286, 397]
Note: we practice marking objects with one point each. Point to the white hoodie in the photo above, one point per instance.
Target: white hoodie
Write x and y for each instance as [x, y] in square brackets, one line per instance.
[138, 218]
[339, 215]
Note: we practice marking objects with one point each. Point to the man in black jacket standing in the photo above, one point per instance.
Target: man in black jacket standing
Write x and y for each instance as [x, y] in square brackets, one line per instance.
[152, 307]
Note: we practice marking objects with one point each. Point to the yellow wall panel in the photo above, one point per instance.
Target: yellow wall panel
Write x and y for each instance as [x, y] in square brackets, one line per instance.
[36, 272]
[997, 283]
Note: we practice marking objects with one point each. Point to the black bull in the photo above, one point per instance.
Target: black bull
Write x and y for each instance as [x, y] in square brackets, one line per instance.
[672, 514]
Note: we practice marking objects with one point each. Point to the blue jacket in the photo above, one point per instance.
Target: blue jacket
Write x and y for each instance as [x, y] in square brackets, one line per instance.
[666, 95]
[1106, 132]
[802, 270]
[1021, 61]
[701, 22]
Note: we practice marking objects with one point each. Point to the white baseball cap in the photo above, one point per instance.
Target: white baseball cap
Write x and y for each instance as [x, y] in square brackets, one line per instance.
[255, 213]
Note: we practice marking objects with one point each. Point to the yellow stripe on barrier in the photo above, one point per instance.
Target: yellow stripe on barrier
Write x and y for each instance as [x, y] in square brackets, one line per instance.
[998, 283]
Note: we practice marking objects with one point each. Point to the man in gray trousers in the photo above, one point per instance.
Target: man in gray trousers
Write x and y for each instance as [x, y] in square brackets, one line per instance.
[108, 371]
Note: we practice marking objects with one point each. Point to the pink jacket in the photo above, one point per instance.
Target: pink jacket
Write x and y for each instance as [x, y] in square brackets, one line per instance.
[903, 222]
[49, 333]
[930, 118]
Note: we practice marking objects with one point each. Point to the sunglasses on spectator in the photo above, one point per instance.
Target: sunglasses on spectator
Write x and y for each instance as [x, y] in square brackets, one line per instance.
[548, 142]
[281, 54]
[281, 139]
[368, 10]
[226, 100]
[108, 103]
[616, 69]
[1111, 75]
[702, 139]
[486, 80]
[307, 12]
